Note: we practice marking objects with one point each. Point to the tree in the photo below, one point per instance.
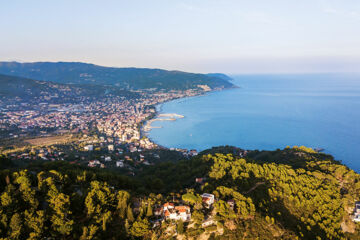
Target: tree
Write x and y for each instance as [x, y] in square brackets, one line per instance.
[16, 227]
[35, 222]
[129, 214]
[191, 198]
[224, 210]
[123, 199]
[198, 216]
[140, 228]
[180, 227]
[149, 211]
[60, 204]
[89, 232]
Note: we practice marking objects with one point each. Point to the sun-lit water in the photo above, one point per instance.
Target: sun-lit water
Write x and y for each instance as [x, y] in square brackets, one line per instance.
[270, 112]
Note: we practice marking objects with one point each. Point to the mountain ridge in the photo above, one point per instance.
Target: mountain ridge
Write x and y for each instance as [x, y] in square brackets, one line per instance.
[127, 78]
[29, 89]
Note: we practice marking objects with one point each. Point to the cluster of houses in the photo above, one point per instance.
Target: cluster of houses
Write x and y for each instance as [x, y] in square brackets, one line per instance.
[170, 211]
[114, 116]
[44, 153]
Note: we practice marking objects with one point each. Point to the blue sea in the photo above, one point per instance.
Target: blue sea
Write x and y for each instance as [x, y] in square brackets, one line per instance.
[268, 112]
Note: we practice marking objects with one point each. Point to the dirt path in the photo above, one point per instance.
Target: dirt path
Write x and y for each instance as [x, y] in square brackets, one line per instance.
[254, 187]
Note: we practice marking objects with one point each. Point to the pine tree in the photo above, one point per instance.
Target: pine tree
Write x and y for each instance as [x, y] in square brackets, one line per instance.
[129, 214]
[16, 227]
[180, 227]
[149, 211]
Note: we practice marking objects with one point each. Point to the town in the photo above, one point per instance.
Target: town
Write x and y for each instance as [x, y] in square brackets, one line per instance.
[97, 132]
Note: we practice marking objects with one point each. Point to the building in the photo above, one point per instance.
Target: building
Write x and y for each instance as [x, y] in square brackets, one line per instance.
[200, 180]
[158, 211]
[208, 222]
[231, 203]
[107, 159]
[94, 163]
[356, 216]
[89, 148]
[111, 147]
[183, 213]
[172, 212]
[193, 152]
[120, 163]
[208, 199]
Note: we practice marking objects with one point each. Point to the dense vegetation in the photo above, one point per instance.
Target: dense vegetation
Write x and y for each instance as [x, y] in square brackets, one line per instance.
[294, 193]
[126, 78]
[28, 89]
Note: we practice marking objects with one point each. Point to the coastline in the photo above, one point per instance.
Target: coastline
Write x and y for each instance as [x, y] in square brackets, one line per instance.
[169, 117]
[158, 112]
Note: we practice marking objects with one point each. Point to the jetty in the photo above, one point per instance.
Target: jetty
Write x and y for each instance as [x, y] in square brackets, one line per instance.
[162, 117]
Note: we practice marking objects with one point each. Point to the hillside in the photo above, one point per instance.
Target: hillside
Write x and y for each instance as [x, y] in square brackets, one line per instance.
[126, 78]
[307, 196]
[29, 89]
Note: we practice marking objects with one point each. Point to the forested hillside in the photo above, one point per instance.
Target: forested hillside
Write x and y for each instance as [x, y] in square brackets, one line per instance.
[125, 78]
[295, 193]
[29, 89]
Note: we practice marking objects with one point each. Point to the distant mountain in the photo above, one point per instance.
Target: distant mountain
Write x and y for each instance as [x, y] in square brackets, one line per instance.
[24, 88]
[126, 78]
[220, 75]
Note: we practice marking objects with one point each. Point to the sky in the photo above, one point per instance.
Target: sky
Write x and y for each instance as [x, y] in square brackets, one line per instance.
[229, 36]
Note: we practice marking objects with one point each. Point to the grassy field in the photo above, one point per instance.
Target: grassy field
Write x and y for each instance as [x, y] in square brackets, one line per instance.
[41, 141]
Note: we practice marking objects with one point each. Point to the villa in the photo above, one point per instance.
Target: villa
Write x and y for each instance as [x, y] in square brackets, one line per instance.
[208, 198]
[176, 213]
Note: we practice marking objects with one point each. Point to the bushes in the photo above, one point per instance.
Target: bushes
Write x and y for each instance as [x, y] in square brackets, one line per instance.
[195, 232]
[211, 228]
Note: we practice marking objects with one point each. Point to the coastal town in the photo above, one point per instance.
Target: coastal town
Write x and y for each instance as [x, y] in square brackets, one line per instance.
[100, 132]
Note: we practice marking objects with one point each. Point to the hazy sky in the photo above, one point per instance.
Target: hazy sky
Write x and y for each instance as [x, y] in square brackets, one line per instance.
[231, 36]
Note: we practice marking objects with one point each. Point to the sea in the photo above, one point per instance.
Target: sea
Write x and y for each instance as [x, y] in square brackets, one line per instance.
[269, 112]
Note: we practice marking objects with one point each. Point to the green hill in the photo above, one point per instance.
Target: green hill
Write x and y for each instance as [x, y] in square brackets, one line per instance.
[295, 193]
[125, 78]
[29, 89]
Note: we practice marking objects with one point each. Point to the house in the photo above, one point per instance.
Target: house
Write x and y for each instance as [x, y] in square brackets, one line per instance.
[158, 211]
[183, 213]
[193, 152]
[356, 216]
[120, 163]
[89, 148]
[208, 222]
[111, 147]
[168, 206]
[200, 180]
[208, 198]
[107, 159]
[93, 163]
[170, 214]
[176, 213]
[231, 203]
[146, 163]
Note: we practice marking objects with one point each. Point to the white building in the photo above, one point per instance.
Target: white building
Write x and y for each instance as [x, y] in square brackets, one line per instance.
[111, 147]
[120, 163]
[94, 163]
[356, 216]
[177, 213]
[208, 198]
[89, 148]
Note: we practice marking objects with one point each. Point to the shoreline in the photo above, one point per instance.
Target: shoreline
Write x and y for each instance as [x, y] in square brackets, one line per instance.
[158, 110]
[171, 117]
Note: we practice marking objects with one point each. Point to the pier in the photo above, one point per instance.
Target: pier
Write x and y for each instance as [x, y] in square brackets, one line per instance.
[162, 117]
